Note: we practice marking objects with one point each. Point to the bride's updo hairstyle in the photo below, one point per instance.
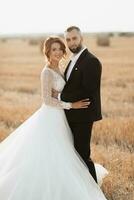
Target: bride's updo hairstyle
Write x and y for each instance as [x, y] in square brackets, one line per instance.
[48, 43]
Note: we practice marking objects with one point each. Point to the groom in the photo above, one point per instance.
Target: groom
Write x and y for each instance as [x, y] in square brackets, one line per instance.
[83, 77]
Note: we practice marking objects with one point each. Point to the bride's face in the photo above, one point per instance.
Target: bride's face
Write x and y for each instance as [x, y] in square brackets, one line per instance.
[56, 53]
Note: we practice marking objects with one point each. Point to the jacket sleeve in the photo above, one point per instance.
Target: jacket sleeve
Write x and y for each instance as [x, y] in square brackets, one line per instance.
[92, 84]
[91, 75]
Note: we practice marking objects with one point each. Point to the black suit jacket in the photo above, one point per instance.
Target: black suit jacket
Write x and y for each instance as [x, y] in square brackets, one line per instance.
[84, 82]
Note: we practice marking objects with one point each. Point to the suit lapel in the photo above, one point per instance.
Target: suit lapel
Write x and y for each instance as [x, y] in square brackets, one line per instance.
[76, 64]
[65, 73]
[81, 57]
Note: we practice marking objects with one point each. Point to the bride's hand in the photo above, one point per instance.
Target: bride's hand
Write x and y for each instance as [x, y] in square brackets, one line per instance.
[81, 104]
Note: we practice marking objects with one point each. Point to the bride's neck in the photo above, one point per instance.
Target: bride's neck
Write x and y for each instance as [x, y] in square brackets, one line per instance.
[53, 64]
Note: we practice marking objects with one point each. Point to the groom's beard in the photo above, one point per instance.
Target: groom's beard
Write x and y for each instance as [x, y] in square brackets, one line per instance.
[76, 50]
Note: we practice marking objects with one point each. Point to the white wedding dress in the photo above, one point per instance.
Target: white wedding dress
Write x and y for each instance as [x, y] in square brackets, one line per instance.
[38, 160]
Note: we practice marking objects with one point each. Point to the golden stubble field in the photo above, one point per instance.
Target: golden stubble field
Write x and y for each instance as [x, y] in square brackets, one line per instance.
[113, 137]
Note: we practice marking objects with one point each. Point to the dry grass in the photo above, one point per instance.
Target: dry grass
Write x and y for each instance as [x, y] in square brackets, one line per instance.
[113, 137]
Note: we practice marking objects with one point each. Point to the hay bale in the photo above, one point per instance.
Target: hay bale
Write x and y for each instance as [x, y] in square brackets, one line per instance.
[103, 40]
[33, 41]
[3, 40]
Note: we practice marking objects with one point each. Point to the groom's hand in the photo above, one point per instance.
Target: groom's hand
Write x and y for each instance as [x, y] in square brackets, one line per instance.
[55, 93]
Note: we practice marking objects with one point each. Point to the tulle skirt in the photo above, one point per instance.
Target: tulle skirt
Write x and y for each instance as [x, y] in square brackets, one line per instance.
[38, 161]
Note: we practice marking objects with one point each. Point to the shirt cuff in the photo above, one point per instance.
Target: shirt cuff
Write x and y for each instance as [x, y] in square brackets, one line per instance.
[59, 98]
[66, 105]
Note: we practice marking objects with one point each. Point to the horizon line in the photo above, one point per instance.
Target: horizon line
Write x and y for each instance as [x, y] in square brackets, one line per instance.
[25, 34]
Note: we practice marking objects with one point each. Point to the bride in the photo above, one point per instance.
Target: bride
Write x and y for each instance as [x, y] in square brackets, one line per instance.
[38, 160]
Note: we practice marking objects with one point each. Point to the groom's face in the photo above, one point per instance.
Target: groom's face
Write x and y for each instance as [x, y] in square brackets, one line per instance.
[74, 40]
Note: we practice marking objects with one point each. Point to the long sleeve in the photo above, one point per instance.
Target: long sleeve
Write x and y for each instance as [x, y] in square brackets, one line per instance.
[73, 96]
[95, 78]
[46, 91]
[89, 85]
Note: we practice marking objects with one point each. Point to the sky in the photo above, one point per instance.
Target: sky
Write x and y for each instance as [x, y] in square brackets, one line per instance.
[45, 16]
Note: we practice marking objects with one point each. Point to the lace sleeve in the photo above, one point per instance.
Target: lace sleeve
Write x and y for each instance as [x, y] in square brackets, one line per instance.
[46, 91]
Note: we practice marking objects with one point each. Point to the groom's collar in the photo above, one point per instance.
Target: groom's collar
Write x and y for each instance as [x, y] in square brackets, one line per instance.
[75, 57]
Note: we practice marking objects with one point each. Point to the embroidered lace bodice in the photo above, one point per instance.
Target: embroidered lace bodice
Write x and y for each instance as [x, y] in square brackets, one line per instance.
[51, 79]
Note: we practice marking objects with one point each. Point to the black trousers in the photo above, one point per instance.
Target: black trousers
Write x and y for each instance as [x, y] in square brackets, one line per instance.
[82, 138]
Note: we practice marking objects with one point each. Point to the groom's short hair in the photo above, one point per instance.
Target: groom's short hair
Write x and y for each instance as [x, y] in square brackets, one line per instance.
[69, 29]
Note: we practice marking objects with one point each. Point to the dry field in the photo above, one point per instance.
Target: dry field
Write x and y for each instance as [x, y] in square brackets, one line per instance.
[113, 137]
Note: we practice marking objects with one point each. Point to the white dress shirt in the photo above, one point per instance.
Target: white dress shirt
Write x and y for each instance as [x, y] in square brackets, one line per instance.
[73, 59]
